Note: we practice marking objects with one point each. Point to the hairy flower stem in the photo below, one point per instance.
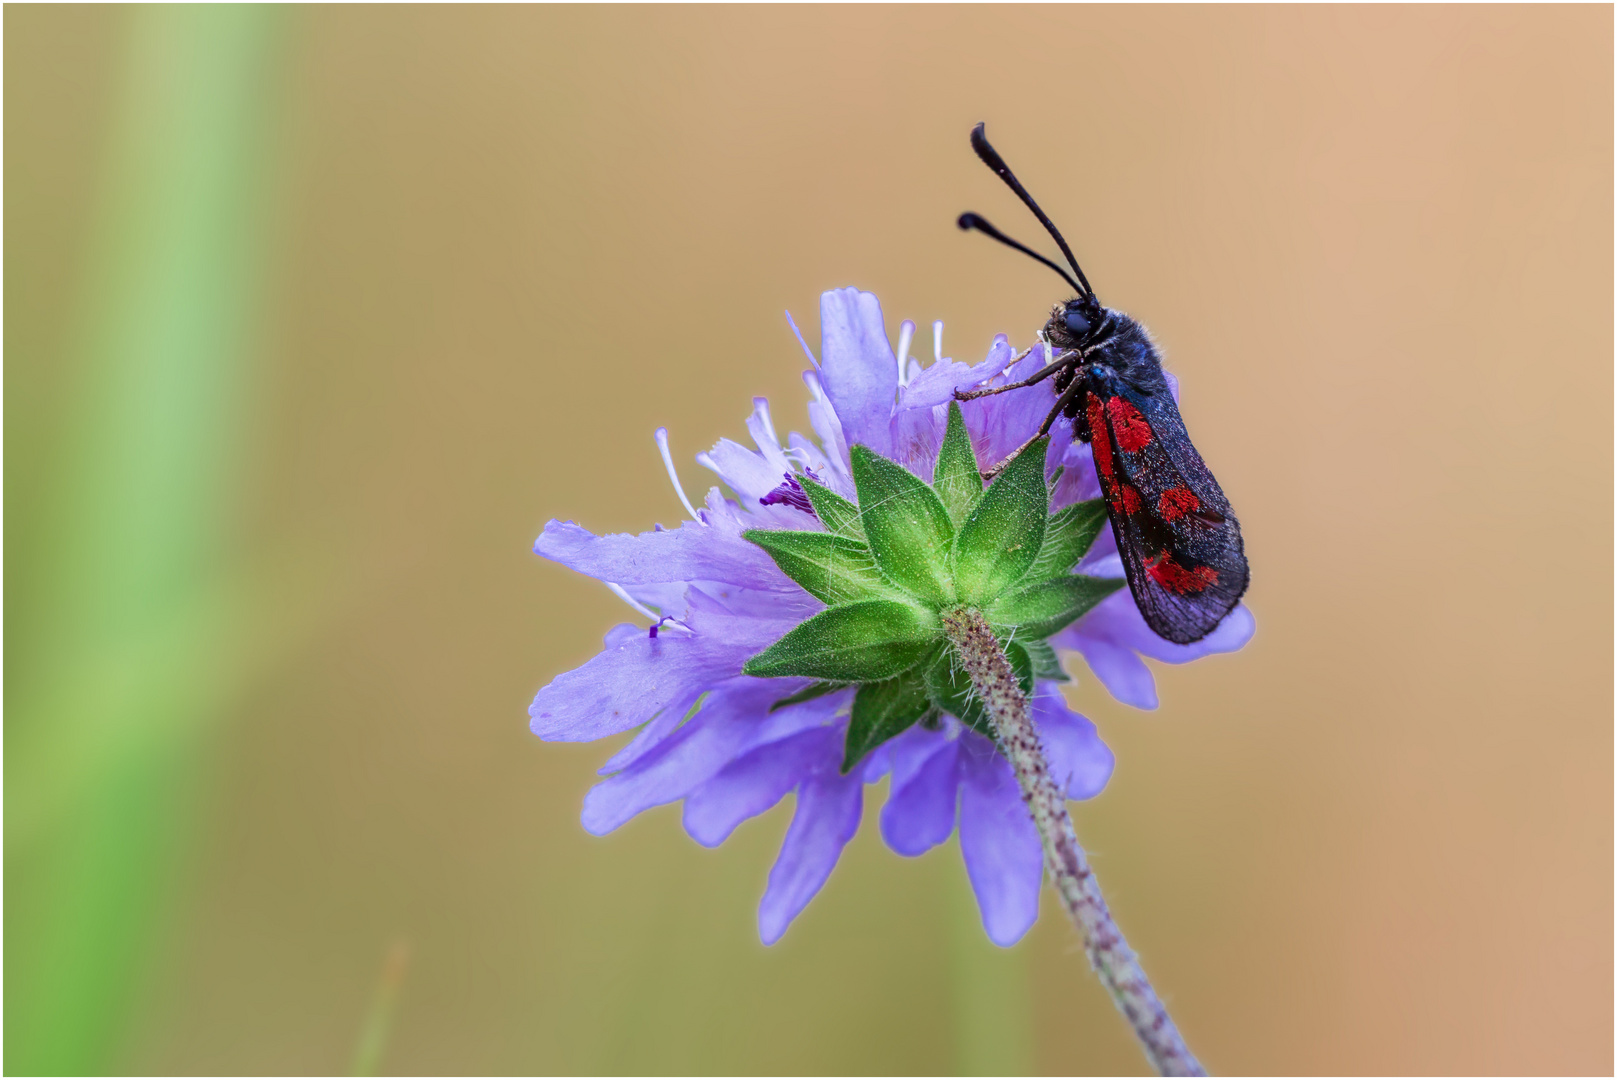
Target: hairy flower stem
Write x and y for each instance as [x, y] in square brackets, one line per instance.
[1119, 969]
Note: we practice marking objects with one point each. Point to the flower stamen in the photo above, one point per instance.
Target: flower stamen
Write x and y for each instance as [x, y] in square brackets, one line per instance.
[906, 333]
[808, 352]
[937, 342]
[673, 475]
[623, 594]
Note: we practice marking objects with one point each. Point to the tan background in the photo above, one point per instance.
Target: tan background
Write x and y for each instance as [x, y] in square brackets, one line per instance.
[1377, 245]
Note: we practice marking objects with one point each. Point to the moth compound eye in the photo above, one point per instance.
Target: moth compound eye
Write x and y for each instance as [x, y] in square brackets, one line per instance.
[1077, 323]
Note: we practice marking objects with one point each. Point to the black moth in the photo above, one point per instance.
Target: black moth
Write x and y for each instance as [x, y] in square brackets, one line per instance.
[1179, 539]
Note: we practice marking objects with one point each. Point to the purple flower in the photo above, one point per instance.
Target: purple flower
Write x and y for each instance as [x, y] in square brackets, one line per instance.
[731, 745]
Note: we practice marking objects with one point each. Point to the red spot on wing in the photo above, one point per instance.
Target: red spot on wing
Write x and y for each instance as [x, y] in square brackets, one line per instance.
[1133, 433]
[1177, 579]
[1097, 437]
[1128, 499]
[1177, 502]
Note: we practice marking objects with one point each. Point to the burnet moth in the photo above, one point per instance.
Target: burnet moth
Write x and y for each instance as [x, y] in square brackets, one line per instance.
[1179, 540]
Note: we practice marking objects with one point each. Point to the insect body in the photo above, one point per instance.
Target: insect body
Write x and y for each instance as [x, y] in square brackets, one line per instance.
[1179, 540]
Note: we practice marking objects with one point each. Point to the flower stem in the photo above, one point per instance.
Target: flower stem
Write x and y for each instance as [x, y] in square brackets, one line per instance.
[1109, 954]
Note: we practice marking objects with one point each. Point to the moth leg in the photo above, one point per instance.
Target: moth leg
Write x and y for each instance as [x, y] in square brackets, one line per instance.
[1044, 429]
[1037, 377]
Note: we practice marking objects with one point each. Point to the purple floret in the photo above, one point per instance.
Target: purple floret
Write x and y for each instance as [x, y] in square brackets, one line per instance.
[706, 733]
[791, 493]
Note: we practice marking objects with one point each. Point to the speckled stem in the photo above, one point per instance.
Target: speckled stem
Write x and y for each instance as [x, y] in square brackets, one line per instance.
[1109, 954]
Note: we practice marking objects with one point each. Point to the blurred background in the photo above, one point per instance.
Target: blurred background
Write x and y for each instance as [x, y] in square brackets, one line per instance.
[315, 315]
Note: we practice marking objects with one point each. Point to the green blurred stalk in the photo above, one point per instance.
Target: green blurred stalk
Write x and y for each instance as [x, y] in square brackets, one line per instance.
[132, 648]
[378, 1025]
[993, 1000]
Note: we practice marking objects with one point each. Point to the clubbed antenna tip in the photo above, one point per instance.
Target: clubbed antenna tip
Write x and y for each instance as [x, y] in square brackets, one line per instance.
[969, 221]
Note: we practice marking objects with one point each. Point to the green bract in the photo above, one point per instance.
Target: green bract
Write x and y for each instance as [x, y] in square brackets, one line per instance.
[889, 567]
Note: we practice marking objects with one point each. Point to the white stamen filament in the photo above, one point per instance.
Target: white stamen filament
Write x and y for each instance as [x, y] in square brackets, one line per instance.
[937, 341]
[668, 462]
[799, 334]
[906, 333]
[623, 594]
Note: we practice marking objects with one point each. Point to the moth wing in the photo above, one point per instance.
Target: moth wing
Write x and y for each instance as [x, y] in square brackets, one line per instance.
[1179, 541]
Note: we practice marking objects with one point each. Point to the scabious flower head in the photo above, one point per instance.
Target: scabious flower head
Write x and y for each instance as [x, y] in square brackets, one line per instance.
[730, 687]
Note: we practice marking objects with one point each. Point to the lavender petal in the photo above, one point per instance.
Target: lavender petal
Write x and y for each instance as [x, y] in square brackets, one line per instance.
[688, 553]
[1079, 761]
[1119, 669]
[733, 720]
[920, 812]
[828, 810]
[858, 367]
[823, 418]
[762, 429]
[647, 738]
[917, 435]
[747, 473]
[1004, 858]
[1114, 635]
[936, 385]
[755, 782]
[625, 686]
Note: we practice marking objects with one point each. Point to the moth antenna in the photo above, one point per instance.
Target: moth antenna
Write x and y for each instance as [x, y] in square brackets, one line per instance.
[991, 158]
[969, 221]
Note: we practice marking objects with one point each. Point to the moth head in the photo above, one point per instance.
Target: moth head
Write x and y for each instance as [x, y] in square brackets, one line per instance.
[1074, 323]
